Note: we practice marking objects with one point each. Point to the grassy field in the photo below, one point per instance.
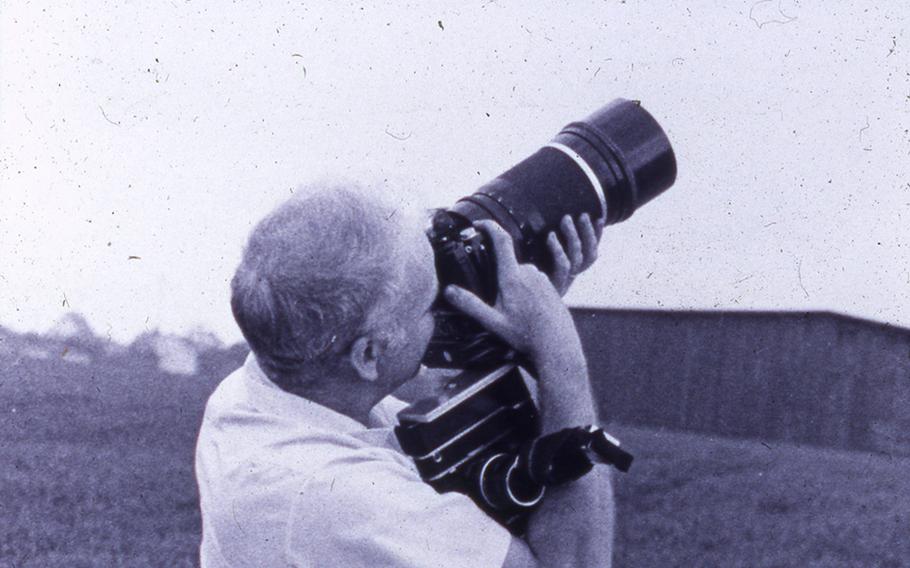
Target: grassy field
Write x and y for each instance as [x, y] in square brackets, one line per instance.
[96, 470]
[692, 500]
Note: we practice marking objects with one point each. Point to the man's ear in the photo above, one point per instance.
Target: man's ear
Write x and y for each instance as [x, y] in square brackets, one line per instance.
[364, 356]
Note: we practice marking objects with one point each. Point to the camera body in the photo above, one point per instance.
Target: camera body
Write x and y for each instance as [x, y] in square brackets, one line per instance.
[476, 413]
[478, 435]
[476, 416]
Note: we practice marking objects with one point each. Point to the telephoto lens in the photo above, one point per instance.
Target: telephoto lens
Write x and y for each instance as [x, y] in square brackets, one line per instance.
[607, 165]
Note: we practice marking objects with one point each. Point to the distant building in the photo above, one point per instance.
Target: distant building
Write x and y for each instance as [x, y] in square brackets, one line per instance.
[174, 354]
[35, 352]
[816, 378]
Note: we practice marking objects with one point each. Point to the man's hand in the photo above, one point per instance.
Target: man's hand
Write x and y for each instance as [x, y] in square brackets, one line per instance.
[579, 253]
[528, 314]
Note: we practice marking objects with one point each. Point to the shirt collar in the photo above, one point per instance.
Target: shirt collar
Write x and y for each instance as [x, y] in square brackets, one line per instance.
[291, 406]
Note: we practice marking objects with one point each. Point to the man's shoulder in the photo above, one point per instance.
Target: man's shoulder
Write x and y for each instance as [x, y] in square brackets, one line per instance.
[300, 440]
[226, 393]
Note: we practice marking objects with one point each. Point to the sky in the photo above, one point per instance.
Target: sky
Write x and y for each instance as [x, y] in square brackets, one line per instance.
[141, 141]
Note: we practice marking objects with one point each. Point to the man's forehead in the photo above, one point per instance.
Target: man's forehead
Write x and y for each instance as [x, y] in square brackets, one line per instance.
[419, 265]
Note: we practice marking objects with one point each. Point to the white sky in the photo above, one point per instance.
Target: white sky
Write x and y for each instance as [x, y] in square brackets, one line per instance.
[164, 130]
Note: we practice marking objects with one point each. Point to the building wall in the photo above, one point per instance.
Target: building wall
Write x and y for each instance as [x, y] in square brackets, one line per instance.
[815, 378]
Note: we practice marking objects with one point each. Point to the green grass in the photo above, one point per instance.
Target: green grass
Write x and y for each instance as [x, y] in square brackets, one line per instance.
[96, 470]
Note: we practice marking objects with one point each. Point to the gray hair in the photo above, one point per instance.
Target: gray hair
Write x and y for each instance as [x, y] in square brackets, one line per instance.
[312, 275]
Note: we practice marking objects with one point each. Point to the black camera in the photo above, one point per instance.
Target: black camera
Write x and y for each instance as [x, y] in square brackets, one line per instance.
[480, 434]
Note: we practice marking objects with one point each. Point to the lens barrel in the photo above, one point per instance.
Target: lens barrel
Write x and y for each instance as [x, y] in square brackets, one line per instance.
[607, 165]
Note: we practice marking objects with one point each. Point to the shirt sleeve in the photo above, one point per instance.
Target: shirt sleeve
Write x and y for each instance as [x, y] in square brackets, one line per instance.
[378, 513]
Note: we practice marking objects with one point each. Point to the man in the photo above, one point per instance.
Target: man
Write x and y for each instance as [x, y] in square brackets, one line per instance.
[296, 461]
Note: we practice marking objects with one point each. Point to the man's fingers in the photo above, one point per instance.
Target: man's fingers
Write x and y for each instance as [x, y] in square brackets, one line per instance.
[573, 243]
[561, 265]
[588, 240]
[503, 248]
[473, 306]
[599, 228]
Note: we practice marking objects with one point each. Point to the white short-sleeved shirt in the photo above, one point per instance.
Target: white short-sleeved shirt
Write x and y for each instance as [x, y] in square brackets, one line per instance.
[287, 482]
